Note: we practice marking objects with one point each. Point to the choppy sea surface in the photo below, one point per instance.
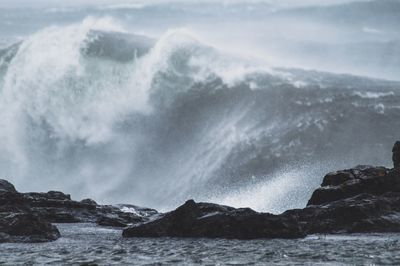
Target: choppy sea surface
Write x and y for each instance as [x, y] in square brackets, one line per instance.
[89, 244]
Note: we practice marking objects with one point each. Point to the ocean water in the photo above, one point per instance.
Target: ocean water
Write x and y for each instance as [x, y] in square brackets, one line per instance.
[87, 244]
[152, 103]
[145, 104]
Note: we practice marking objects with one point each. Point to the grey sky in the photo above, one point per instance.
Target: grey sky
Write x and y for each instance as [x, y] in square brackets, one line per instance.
[63, 3]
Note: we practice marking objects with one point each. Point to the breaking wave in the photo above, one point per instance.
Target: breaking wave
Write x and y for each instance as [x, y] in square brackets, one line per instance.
[94, 110]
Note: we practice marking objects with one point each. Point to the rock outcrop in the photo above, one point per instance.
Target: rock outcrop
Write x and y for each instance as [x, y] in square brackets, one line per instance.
[27, 217]
[396, 155]
[359, 200]
[361, 179]
[26, 227]
[57, 207]
[6, 186]
[216, 221]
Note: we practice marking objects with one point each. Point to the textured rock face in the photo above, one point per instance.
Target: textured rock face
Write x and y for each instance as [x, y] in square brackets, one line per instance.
[359, 200]
[352, 182]
[27, 217]
[216, 221]
[18, 223]
[396, 155]
[57, 207]
[363, 213]
[360, 214]
[6, 186]
[26, 227]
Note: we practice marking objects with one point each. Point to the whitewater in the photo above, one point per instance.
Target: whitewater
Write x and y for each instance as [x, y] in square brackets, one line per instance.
[94, 108]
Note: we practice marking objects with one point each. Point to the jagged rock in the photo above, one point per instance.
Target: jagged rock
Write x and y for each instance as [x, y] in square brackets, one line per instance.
[396, 154]
[26, 227]
[359, 200]
[352, 182]
[6, 186]
[55, 207]
[359, 214]
[89, 201]
[112, 221]
[211, 220]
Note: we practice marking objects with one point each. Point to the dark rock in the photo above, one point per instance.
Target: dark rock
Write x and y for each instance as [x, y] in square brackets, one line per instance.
[26, 227]
[89, 201]
[109, 215]
[359, 200]
[6, 186]
[352, 182]
[51, 195]
[12, 202]
[396, 155]
[216, 221]
[111, 221]
[56, 207]
[359, 214]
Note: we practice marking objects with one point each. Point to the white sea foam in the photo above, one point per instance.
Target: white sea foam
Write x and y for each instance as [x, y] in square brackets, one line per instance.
[372, 94]
[165, 125]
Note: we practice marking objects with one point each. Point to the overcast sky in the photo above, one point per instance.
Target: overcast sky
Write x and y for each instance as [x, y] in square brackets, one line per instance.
[63, 3]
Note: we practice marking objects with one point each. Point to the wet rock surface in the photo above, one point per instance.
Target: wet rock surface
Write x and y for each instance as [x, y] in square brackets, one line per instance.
[360, 200]
[396, 155]
[217, 221]
[26, 227]
[361, 179]
[27, 217]
[363, 199]
[6, 186]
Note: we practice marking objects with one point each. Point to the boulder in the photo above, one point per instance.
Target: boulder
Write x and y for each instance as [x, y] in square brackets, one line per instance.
[6, 186]
[26, 227]
[88, 201]
[217, 221]
[361, 179]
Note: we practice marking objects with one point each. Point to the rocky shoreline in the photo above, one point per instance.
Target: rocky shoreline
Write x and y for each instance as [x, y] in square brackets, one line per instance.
[28, 217]
[363, 199]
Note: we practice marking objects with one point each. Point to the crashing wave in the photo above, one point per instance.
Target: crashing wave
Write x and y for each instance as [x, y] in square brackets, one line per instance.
[93, 109]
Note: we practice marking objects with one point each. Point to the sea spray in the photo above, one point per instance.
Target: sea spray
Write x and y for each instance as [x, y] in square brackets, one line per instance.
[175, 119]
